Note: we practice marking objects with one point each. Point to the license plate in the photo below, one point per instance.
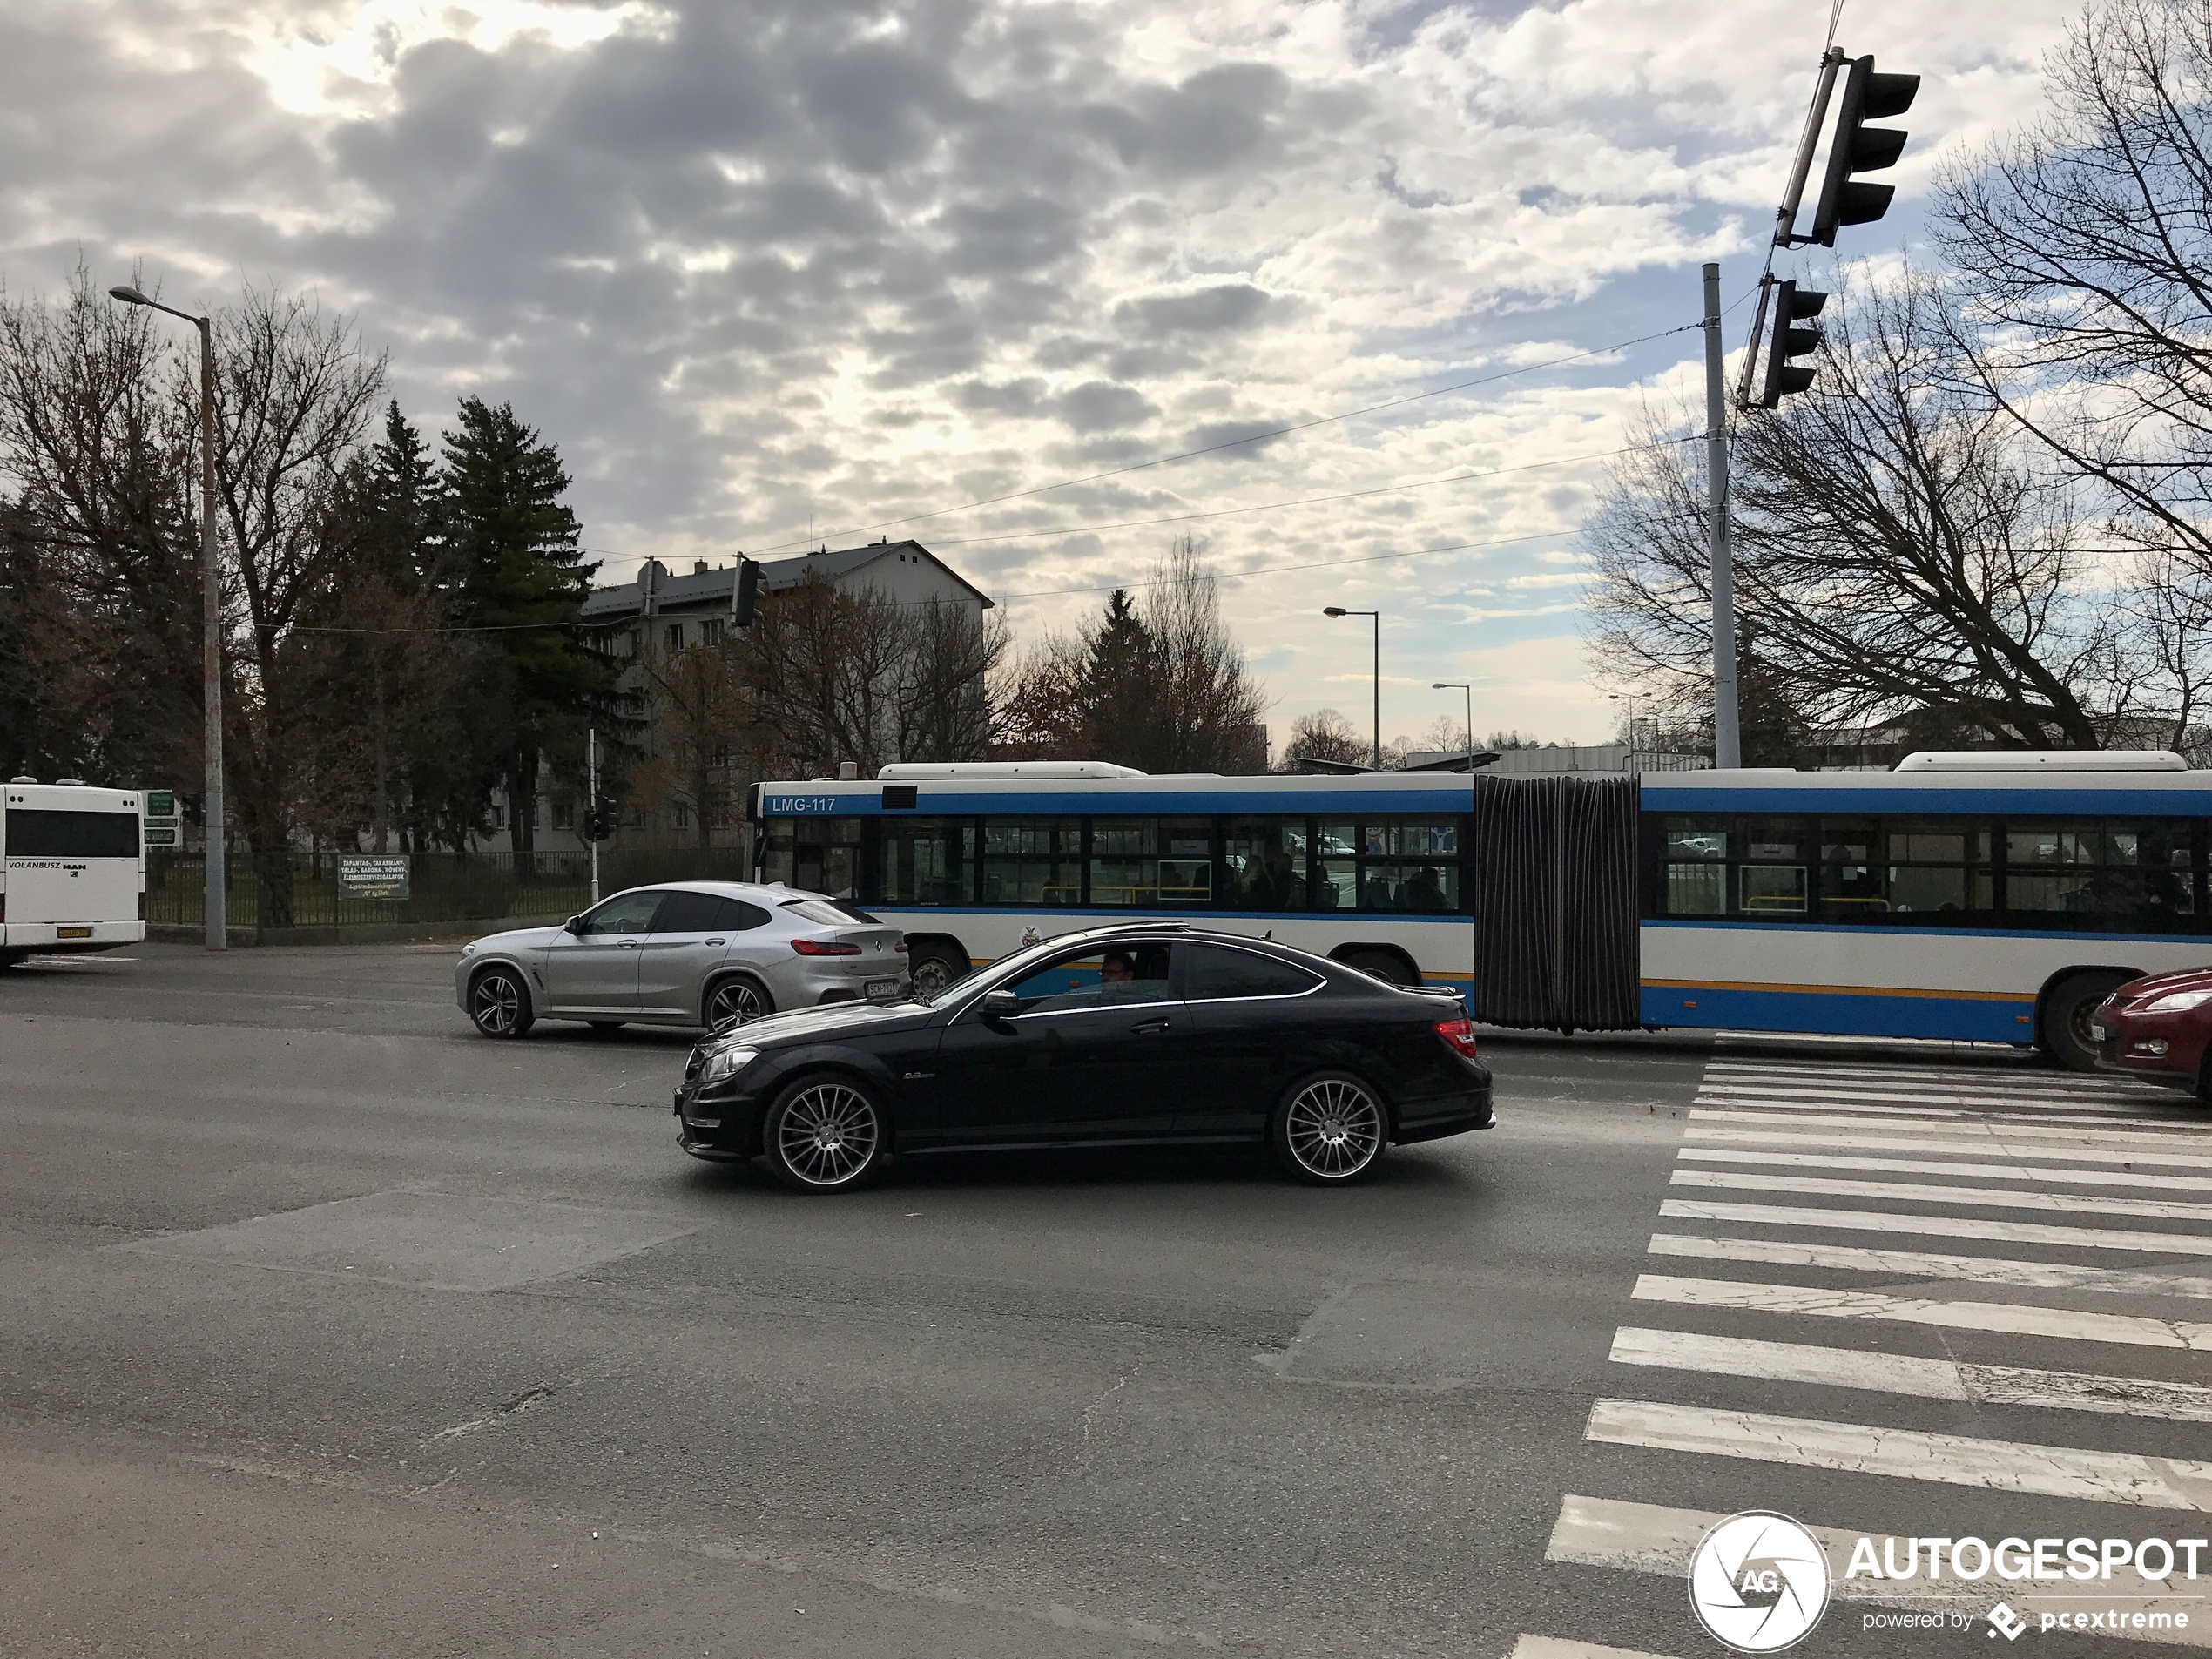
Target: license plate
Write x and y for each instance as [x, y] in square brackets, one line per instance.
[883, 991]
[2098, 1034]
[72, 933]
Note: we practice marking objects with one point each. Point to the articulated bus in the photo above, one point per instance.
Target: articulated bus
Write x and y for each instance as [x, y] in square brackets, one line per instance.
[73, 869]
[1982, 896]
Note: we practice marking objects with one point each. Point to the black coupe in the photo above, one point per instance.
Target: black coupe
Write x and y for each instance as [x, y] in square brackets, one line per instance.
[1137, 1033]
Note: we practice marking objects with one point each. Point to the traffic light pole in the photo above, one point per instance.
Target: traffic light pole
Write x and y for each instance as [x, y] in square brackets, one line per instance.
[1727, 750]
[591, 764]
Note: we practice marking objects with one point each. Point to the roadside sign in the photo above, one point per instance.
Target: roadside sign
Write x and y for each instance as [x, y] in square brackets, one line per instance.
[161, 803]
[160, 837]
[373, 876]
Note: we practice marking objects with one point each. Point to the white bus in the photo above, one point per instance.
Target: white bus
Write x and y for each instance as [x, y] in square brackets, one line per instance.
[1986, 896]
[73, 869]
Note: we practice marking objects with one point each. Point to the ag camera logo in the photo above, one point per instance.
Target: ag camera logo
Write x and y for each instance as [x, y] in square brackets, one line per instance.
[1758, 1582]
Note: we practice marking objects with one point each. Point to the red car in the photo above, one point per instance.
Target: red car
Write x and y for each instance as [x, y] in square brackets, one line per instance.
[2158, 1028]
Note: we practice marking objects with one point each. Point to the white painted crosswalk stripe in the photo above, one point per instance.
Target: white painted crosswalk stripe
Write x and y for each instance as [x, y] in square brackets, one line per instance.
[1888, 1138]
[1529, 1646]
[1875, 1110]
[1921, 1265]
[2134, 1180]
[1953, 1460]
[2039, 1082]
[1897, 1373]
[1973, 1198]
[2016, 1319]
[2015, 1232]
[1655, 1539]
[1949, 1099]
[2135, 1135]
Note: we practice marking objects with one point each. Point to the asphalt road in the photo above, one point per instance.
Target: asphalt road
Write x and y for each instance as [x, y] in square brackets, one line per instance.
[332, 1328]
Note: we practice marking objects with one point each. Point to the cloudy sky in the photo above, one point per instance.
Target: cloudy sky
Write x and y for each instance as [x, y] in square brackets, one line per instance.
[841, 264]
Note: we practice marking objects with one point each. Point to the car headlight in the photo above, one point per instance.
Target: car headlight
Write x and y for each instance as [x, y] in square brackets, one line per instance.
[2179, 1002]
[727, 1063]
[468, 949]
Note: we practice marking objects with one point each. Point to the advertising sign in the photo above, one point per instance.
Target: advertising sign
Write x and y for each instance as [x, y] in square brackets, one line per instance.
[373, 876]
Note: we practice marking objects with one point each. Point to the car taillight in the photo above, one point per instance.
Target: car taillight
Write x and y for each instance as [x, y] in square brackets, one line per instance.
[1458, 1036]
[901, 947]
[816, 948]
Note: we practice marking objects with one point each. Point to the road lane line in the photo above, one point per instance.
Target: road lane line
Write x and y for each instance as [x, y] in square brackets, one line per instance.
[2013, 1232]
[2134, 1180]
[1907, 1264]
[1899, 1374]
[2094, 1203]
[1650, 1538]
[1993, 1142]
[2008, 1319]
[1907, 1454]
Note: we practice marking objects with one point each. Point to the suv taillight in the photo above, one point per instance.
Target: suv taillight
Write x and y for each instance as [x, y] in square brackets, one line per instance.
[816, 948]
[1458, 1036]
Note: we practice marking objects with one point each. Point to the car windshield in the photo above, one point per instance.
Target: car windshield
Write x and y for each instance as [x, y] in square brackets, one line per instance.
[829, 912]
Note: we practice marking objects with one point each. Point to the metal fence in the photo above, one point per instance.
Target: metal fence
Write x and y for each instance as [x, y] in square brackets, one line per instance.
[313, 890]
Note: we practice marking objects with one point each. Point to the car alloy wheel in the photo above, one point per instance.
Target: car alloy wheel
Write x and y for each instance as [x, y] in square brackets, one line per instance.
[1331, 1130]
[736, 1002]
[824, 1136]
[499, 1004]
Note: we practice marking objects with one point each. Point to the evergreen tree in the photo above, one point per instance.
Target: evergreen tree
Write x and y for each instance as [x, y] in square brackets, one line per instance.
[509, 556]
[1120, 694]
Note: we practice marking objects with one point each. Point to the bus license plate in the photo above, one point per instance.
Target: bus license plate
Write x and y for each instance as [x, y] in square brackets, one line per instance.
[72, 933]
[883, 991]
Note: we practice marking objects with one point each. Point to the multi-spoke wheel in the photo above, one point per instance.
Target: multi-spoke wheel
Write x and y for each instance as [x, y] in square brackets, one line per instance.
[933, 971]
[824, 1135]
[1330, 1130]
[735, 1002]
[500, 1003]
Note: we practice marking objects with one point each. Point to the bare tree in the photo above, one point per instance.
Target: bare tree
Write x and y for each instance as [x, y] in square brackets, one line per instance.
[2087, 247]
[1323, 735]
[1899, 548]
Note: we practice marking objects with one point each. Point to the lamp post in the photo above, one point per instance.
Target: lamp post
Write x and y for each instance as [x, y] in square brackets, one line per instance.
[1632, 698]
[1467, 686]
[210, 590]
[1339, 610]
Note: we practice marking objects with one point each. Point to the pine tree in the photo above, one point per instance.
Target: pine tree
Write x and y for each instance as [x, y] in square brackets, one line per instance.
[509, 552]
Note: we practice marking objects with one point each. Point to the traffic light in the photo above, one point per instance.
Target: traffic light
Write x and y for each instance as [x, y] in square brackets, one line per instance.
[1859, 148]
[603, 819]
[746, 594]
[1794, 308]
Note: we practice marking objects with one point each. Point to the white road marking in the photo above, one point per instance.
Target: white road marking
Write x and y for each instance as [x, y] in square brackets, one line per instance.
[2010, 1319]
[1953, 1460]
[1994, 1142]
[1976, 1197]
[1858, 1095]
[2013, 1232]
[2135, 1180]
[2038, 1084]
[2140, 1134]
[1907, 1264]
[1899, 1374]
[1529, 1646]
[1649, 1538]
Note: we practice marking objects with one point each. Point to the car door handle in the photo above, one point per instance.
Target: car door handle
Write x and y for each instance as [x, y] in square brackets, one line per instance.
[717, 941]
[1148, 1027]
[625, 944]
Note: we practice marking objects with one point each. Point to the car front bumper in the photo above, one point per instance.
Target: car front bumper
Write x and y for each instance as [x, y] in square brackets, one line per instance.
[2125, 1049]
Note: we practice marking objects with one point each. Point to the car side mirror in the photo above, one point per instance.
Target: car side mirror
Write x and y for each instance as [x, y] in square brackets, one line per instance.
[1000, 1005]
[573, 925]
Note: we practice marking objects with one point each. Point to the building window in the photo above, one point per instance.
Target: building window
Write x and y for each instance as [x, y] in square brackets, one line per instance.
[710, 634]
[683, 816]
[563, 815]
[676, 636]
[498, 819]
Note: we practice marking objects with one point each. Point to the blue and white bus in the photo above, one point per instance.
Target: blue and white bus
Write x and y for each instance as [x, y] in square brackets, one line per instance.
[1983, 896]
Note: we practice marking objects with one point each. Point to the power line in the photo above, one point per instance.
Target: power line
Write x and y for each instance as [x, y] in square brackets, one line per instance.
[1255, 437]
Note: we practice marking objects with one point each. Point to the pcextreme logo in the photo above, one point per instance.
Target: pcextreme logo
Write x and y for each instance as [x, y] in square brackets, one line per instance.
[1758, 1582]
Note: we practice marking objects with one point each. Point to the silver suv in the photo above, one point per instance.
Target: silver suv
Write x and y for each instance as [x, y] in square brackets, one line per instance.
[712, 953]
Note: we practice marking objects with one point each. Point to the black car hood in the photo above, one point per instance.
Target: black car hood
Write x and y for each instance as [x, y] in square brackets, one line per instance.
[811, 1025]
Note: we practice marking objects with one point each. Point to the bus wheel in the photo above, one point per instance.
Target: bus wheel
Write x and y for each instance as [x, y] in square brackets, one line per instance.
[2062, 1032]
[933, 969]
[1384, 966]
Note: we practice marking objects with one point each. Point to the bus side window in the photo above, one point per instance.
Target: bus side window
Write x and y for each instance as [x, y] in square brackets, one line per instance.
[1695, 852]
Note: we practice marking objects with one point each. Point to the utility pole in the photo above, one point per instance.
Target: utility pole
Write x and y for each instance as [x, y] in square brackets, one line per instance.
[1728, 749]
[591, 764]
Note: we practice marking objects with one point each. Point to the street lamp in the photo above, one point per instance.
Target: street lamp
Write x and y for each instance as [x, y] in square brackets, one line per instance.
[211, 588]
[1632, 698]
[1461, 685]
[1339, 610]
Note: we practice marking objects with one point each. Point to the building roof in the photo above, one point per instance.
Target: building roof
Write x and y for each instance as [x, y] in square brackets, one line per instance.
[712, 586]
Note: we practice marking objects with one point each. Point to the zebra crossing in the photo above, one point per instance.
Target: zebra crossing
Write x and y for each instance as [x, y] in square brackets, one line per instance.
[1820, 1213]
